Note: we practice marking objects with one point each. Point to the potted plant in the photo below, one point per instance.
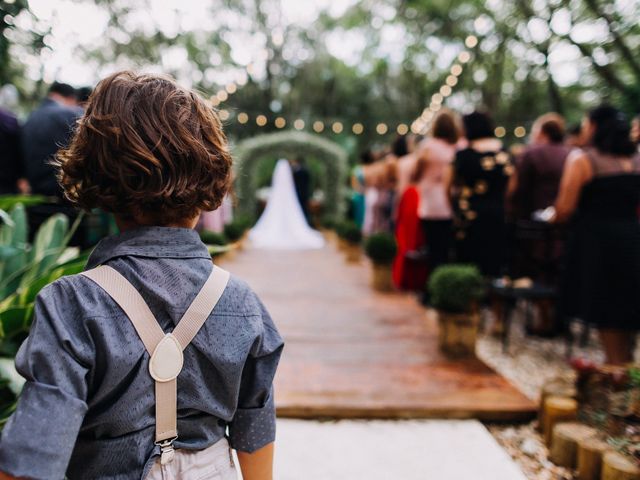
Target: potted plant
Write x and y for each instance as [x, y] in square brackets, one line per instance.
[352, 238]
[455, 291]
[381, 248]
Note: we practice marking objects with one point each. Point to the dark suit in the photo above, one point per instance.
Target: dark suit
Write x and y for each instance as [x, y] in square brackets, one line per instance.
[302, 181]
[11, 166]
[48, 128]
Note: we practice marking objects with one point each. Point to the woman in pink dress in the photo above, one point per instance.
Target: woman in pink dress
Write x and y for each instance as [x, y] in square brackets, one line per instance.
[435, 157]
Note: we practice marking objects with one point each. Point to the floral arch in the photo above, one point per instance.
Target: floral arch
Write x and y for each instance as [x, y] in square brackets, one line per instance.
[290, 144]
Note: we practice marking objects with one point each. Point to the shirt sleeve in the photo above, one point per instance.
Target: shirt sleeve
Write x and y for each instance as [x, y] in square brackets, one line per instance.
[39, 438]
[254, 423]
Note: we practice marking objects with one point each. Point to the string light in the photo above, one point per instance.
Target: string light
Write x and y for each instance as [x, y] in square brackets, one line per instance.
[222, 95]
[456, 70]
[471, 41]
[224, 115]
[382, 128]
[464, 57]
[500, 132]
[337, 127]
[445, 90]
[280, 122]
[402, 129]
[261, 120]
[298, 124]
[231, 88]
[357, 128]
[318, 126]
[452, 80]
[520, 132]
[242, 118]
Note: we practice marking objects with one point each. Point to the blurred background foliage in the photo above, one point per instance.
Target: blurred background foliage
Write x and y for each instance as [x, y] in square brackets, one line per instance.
[370, 61]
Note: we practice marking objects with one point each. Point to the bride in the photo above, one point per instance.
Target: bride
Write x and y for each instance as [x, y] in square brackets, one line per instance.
[282, 225]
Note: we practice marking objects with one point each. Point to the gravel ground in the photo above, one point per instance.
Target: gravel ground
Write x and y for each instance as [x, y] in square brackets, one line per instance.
[528, 364]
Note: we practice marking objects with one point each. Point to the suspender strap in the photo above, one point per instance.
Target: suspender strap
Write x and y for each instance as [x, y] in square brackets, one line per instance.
[131, 302]
[165, 349]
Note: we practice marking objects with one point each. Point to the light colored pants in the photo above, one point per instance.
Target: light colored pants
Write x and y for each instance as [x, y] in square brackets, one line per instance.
[213, 463]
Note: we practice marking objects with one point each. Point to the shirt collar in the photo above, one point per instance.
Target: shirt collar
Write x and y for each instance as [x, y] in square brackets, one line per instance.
[151, 242]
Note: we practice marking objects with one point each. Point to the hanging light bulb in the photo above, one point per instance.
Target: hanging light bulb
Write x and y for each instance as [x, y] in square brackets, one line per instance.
[357, 128]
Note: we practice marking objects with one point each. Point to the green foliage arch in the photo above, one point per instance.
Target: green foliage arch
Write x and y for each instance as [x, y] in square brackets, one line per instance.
[290, 144]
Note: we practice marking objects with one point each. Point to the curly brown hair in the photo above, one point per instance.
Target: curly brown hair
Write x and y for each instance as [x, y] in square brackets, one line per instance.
[146, 150]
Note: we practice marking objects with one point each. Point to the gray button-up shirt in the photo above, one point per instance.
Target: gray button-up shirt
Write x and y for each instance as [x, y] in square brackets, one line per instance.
[87, 409]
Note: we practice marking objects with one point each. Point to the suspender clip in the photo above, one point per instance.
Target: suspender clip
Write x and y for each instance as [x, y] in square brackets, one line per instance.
[167, 452]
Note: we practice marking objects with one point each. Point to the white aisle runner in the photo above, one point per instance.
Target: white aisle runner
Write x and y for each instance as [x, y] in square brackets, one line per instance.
[390, 450]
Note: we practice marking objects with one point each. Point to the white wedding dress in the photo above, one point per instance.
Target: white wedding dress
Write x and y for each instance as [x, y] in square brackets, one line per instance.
[282, 225]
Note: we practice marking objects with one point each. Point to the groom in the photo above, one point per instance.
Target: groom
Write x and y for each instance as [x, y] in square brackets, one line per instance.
[302, 182]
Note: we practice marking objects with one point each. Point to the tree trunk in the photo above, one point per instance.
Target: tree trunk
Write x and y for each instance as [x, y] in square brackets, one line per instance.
[564, 443]
[556, 387]
[590, 452]
[616, 466]
[557, 410]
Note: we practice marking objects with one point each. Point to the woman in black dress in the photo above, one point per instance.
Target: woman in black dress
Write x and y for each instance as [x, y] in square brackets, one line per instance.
[480, 176]
[600, 195]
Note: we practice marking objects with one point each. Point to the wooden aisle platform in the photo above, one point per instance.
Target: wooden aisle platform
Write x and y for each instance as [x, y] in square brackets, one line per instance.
[354, 353]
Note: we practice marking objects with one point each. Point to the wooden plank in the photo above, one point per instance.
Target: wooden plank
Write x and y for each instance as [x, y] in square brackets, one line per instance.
[352, 352]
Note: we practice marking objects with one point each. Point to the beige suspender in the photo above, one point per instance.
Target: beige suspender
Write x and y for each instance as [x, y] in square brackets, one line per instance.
[165, 349]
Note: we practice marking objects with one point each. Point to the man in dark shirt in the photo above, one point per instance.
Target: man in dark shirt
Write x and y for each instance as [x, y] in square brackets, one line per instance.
[49, 127]
[11, 166]
[539, 168]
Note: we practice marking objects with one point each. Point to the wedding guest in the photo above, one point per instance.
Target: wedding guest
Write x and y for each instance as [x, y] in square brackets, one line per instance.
[436, 155]
[600, 196]
[82, 96]
[302, 182]
[574, 136]
[406, 166]
[479, 182]
[635, 130]
[11, 162]
[539, 167]
[383, 208]
[408, 274]
[358, 185]
[48, 128]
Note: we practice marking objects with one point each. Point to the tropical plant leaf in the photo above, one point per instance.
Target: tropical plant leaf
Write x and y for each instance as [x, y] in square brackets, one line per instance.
[49, 244]
[15, 320]
[13, 236]
[6, 218]
[6, 252]
[8, 372]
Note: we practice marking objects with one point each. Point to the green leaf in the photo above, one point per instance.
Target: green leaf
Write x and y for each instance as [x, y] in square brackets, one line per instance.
[49, 244]
[7, 202]
[6, 252]
[15, 320]
[6, 218]
[13, 236]
[8, 372]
